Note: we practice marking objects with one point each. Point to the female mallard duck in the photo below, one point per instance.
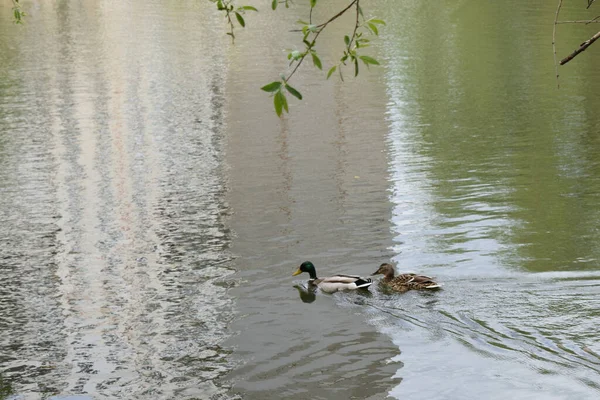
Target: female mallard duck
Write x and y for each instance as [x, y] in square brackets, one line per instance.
[404, 282]
[334, 283]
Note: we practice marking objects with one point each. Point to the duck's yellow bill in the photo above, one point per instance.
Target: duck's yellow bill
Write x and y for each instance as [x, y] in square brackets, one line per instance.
[298, 272]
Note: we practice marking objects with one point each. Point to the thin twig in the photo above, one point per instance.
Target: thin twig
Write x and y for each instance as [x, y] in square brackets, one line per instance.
[554, 41]
[586, 21]
[355, 25]
[231, 26]
[336, 16]
[594, 20]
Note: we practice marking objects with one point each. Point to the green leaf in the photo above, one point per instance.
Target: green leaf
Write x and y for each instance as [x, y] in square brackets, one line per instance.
[250, 8]
[377, 21]
[274, 4]
[373, 28]
[369, 60]
[316, 60]
[301, 22]
[312, 28]
[220, 5]
[355, 67]
[347, 40]
[360, 10]
[240, 19]
[272, 87]
[313, 3]
[284, 102]
[293, 91]
[331, 71]
[280, 103]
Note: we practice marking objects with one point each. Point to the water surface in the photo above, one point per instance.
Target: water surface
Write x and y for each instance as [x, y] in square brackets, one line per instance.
[153, 207]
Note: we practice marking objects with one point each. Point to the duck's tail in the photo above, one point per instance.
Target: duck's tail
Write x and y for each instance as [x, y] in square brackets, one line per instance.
[434, 286]
[363, 283]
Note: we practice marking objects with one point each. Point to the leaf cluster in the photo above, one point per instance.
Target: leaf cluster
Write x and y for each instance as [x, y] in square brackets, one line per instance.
[18, 13]
[279, 100]
[230, 9]
[354, 44]
[275, 3]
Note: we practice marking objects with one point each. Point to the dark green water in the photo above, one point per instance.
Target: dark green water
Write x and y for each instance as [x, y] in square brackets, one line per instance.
[153, 208]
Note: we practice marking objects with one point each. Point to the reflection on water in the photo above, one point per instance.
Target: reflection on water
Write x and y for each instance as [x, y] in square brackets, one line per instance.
[113, 235]
[495, 184]
[146, 185]
[307, 294]
[310, 186]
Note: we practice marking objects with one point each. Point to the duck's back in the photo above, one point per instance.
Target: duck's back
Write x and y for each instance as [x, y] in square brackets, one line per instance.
[405, 282]
[336, 283]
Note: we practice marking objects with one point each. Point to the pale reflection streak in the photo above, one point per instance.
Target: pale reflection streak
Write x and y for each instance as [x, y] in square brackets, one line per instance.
[137, 192]
[82, 288]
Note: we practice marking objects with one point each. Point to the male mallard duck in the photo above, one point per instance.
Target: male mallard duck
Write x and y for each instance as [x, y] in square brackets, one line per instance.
[334, 283]
[404, 282]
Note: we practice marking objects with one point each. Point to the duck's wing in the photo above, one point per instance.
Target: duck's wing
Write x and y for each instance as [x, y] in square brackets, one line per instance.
[424, 282]
[422, 279]
[414, 281]
[359, 281]
[343, 282]
[342, 278]
[404, 278]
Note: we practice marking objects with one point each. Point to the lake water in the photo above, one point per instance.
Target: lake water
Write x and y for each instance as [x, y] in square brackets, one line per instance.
[153, 207]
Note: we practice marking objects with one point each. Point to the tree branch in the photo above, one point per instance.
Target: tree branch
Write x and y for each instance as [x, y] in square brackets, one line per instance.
[554, 40]
[582, 47]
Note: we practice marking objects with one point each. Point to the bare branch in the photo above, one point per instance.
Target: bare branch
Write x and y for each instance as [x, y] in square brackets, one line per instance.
[582, 47]
[554, 40]
[585, 21]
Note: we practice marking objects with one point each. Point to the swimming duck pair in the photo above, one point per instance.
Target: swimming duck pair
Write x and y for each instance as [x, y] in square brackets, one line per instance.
[399, 283]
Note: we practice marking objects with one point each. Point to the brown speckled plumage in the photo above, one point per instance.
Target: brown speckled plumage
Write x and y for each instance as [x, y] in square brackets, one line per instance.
[404, 282]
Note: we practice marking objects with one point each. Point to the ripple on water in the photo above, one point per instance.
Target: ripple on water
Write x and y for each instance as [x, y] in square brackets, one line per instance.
[491, 339]
[114, 245]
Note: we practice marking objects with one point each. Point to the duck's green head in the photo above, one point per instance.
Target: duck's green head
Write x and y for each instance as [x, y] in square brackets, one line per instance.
[306, 266]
